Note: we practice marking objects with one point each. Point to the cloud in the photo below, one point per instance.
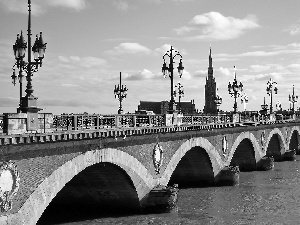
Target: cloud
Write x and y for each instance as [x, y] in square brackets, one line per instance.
[294, 29]
[215, 26]
[184, 30]
[72, 4]
[276, 50]
[294, 45]
[225, 71]
[63, 59]
[141, 75]
[92, 61]
[259, 68]
[20, 6]
[129, 48]
[259, 53]
[126, 5]
[287, 73]
[136, 48]
[186, 75]
[81, 61]
[256, 77]
[295, 67]
[75, 58]
[121, 5]
[163, 49]
[39, 7]
[201, 73]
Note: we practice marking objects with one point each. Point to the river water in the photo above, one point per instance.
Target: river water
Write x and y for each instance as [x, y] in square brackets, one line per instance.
[262, 197]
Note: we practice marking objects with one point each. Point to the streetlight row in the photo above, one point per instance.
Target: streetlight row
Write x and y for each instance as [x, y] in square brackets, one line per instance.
[28, 103]
[121, 92]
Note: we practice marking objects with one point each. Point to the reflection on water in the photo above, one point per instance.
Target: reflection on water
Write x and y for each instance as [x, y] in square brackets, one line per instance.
[269, 197]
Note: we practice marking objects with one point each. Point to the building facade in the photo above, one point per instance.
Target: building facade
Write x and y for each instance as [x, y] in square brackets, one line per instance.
[210, 106]
[163, 107]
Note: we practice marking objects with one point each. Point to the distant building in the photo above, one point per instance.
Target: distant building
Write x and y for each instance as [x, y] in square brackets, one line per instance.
[156, 107]
[210, 106]
[187, 108]
[163, 107]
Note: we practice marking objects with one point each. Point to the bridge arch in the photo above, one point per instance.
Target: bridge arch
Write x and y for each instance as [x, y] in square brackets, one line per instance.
[245, 152]
[194, 144]
[37, 202]
[276, 145]
[294, 139]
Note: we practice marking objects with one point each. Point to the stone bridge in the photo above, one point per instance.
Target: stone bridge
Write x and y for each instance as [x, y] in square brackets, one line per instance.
[121, 166]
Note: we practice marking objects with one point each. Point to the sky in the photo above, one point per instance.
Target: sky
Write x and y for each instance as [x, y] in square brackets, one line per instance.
[89, 42]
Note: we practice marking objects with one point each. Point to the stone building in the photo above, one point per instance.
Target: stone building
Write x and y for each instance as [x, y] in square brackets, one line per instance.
[163, 107]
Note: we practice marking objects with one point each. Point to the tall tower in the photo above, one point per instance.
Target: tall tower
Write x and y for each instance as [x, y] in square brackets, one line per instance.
[210, 106]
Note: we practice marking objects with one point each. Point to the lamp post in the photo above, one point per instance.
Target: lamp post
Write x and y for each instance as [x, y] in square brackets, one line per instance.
[218, 100]
[278, 106]
[264, 106]
[180, 92]
[169, 71]
[120, 92]
[293, 99]
[271, 85]
[27, 103]
[244, 99]
[235, 90]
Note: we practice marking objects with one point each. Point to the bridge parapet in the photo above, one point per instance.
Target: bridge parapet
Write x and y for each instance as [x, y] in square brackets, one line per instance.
[121, 132]
[18, 123]
[79, 122]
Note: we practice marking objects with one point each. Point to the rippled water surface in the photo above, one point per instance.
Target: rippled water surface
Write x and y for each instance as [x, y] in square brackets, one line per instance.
[262, 197]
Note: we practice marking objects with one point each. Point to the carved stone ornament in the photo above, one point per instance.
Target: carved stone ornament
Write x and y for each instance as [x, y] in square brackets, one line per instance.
[9, 184]
[224, 145]
[262, 139]
[157, 157]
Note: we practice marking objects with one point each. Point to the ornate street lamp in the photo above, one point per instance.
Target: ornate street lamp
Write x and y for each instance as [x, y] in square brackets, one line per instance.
[271, 85]
[293, 99]
[180, 92]
[120, 92]
[278, 106]
[235, 90]
[264, 106]
[218, 100]
[27, 103]
[244, 99]
[169, 71]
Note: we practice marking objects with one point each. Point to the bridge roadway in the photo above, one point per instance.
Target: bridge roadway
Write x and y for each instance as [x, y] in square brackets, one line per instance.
[121, 166]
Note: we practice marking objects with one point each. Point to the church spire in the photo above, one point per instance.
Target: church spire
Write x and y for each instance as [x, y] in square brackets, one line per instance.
[210, 59]
[210, 106]
[210, 67]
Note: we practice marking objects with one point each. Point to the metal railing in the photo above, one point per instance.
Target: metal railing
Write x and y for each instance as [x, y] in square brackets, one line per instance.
[96, 121]
[71, 122]
[206, 120]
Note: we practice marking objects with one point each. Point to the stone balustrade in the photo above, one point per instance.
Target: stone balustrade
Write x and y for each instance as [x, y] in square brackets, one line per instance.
[18, 123]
